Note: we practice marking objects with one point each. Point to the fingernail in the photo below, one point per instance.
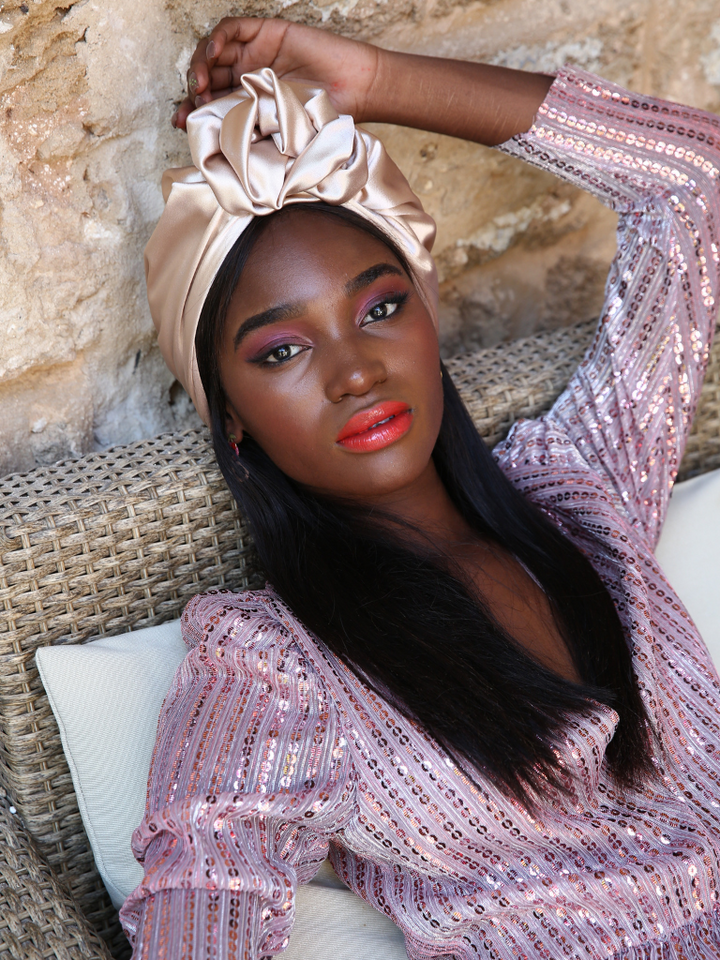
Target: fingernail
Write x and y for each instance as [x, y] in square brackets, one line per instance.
[199, 101]
[211, 50]
[173, 119]
[192, 81]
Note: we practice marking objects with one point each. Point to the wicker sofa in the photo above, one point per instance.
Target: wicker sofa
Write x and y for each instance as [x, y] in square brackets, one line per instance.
[122, 539]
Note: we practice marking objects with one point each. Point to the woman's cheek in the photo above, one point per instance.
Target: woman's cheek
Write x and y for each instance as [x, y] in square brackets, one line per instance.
[286, 424]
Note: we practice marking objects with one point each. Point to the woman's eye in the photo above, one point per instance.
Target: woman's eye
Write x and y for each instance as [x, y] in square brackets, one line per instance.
[286, 351]
[381, 311]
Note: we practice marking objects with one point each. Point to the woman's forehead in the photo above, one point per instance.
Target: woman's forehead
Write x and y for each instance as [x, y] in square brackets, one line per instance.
[309, 233]
[307, 249]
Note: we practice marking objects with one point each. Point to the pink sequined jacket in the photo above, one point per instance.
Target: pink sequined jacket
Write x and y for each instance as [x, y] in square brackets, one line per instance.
[270, 752]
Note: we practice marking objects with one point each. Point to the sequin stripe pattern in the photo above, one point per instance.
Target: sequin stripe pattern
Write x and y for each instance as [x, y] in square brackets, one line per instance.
[249, 771]
[629, 407]
[676, 677]
[463, 871]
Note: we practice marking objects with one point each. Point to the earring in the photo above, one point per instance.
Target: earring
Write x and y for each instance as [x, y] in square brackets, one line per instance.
[232, 440]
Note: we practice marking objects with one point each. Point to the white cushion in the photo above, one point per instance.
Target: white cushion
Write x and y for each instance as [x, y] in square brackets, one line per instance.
[106, 696]
[689, 553]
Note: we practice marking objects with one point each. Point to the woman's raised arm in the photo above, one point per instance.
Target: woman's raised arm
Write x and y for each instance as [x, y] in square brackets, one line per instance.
[474, 101]
[628, 409]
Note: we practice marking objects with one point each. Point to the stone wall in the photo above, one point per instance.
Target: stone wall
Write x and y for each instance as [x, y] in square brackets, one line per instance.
[86, 92]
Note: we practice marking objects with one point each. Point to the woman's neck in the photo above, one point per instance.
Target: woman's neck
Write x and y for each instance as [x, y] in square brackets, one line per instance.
[429, 519]
[426, 512]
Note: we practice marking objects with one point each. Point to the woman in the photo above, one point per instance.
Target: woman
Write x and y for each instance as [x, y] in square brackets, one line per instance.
[469, 680]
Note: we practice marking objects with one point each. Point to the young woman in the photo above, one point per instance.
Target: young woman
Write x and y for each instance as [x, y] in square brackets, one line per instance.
[467, 679]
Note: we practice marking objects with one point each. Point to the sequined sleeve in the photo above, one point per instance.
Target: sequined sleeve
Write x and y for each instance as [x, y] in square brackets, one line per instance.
[249, 778]
[629, 407]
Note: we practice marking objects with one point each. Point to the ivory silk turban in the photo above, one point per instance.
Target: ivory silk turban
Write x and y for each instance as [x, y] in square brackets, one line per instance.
[268, 144]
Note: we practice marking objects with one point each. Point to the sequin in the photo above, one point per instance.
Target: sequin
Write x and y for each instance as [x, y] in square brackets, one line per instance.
[271, 753]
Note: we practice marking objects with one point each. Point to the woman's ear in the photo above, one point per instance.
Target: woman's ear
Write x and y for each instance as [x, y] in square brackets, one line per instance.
[233, 425]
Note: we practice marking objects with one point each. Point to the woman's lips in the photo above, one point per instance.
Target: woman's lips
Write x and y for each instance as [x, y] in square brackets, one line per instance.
[374, 429]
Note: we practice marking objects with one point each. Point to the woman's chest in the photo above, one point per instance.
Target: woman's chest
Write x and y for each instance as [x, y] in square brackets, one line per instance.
[517, 603]
[415, 809]
[418, 816]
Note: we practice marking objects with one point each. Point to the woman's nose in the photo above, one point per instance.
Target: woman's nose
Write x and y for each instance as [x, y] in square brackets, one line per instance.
[353, 373]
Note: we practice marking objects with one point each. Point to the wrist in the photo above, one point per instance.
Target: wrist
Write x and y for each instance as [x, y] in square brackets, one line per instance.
[379, 105]
[473, 101]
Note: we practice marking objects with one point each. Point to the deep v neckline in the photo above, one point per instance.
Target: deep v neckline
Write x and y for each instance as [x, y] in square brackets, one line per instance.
[522, 610]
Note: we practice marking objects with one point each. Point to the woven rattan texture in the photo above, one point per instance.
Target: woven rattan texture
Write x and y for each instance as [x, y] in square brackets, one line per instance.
[38, 917]
[101, 545]
[702, 452]
[122, 539]
[520, 379]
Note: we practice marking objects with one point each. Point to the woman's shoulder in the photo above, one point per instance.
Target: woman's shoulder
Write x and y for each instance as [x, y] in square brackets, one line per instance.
[251, 618]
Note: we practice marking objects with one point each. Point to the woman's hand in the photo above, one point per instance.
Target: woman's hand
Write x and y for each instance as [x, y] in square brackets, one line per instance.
[237, 45]
[475, 101]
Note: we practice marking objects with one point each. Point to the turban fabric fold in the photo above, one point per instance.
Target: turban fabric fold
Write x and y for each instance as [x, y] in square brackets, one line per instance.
[268, 144]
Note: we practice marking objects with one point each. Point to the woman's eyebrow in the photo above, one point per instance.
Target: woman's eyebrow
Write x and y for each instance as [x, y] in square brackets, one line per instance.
[285, 311]
[368, 276]
[289, 311]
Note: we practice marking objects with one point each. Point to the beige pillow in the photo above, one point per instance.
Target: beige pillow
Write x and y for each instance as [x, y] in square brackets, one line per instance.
[106, 696]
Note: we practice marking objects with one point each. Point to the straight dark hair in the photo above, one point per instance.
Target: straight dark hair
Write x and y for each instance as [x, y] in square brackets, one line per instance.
[404, 622]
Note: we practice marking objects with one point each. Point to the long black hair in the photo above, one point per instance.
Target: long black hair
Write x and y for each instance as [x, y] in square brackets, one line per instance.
[404, 622]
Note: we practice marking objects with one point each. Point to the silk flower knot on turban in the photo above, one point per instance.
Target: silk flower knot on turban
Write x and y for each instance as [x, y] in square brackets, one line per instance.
[268, 144]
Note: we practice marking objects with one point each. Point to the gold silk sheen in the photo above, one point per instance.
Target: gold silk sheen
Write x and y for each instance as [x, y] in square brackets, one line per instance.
[269, 144]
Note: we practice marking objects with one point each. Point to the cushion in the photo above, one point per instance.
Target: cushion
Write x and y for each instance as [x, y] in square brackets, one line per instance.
[107, 694]
[689, 553]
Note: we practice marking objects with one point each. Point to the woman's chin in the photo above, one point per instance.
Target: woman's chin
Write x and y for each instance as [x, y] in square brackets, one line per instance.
[373, 478]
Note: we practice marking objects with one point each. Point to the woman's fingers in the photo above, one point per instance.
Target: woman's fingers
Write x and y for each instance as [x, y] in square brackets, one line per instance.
[231, 49]
[180, 116]
[212, 95]
[205, 82]
[198, 73]
[235, 32]
[237, 45]
[221, 78]
[223, 50]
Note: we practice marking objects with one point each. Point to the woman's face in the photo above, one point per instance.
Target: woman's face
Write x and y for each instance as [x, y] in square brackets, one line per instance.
[330, 360]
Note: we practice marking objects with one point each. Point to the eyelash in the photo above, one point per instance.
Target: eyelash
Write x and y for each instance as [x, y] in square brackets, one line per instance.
[399, 300]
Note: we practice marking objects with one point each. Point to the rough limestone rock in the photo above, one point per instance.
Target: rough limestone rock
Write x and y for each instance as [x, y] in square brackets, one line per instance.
[86, 94]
